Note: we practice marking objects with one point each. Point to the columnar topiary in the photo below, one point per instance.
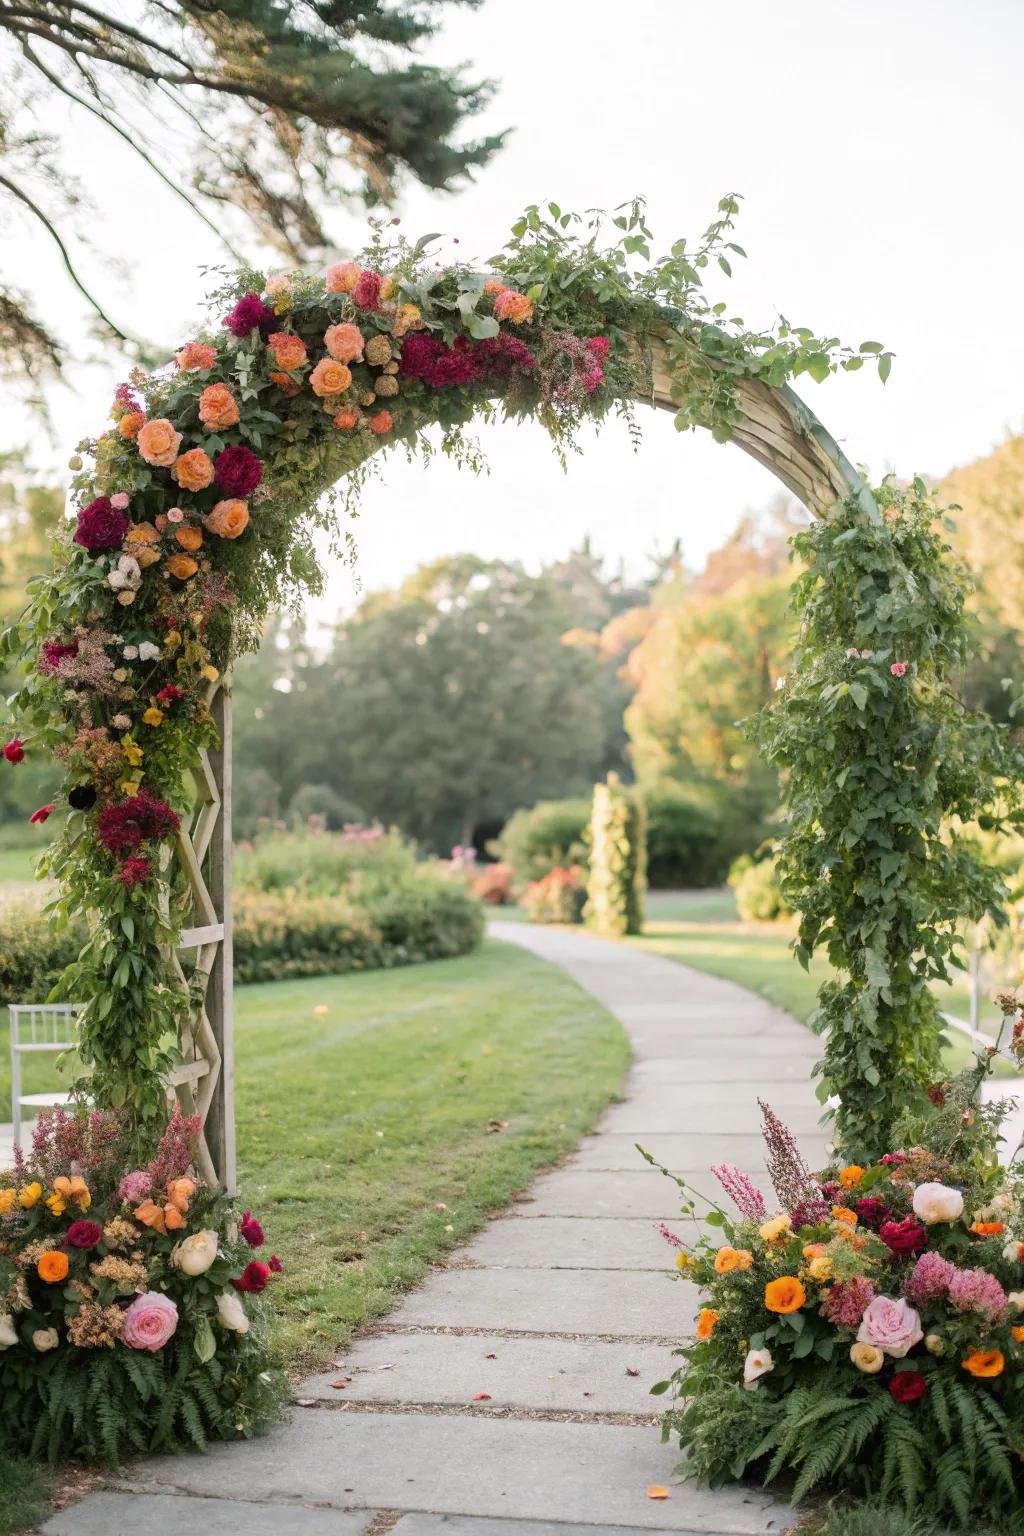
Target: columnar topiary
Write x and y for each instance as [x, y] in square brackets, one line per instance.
[618, 860]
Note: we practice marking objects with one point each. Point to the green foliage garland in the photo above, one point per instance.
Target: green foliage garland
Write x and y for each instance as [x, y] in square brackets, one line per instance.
[618, 860]
[885, 768]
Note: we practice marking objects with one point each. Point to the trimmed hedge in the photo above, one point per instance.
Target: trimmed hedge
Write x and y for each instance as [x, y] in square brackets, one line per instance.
[756, 887]
[33, 953]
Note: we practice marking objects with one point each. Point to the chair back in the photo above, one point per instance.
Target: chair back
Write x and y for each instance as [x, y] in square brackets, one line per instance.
[43, 1026]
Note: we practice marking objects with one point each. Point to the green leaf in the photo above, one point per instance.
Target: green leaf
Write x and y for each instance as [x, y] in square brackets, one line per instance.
[871, 346]
[884, 367]
[204, 1343]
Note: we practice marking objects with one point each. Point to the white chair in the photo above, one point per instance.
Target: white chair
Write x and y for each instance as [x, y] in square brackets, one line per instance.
[38, 1027]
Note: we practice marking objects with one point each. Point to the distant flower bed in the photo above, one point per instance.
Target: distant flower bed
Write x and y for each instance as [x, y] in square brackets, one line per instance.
[557, 897]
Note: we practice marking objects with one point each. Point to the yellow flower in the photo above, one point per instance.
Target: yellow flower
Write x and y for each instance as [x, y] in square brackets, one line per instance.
[851, 1175]
[867, 1358]
[820, 1267]
[683, 1261]
[153, 716]
[771, 1231]
[74, 1188]
[845, 1215]
[30, 1195]
[130, 786]
[7, 1199]
[56, 1205]
[173, 639]
[133, 754]
[210, 673]
[728, 1259]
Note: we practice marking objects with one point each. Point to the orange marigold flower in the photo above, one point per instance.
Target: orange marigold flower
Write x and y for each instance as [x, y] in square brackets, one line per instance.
[289, 351]
[845, 1215]
[343, 277]
[850, 1176]
[131, 424]
[193, 470]
[381, 423]
[510, 305]
[344, 342]
[218, 408]
[329, 377]
[984, 1362]
[1017, 1334]
[784, 1295]
[195, 355]
[347, 418]
[52, 1266]
[159, 443]
[188, 537]
[728, 1259]
[987, 1228]
[286, 385]
[182, 566]
[228, 518]
[706, 1321]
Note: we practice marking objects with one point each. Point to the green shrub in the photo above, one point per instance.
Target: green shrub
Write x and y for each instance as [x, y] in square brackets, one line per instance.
[33, 953]
[756, 887]
[550, 833]
[686, 844]
[618, 860]
[320, 801]
[324, 863]
[557, 897]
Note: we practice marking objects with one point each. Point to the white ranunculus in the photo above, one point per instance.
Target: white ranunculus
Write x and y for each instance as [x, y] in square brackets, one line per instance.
[194, 1255]
[232, 1313]
[7, 1333]
[937, 1202]
[148, 651]
[758, 1363]
[44, 1339]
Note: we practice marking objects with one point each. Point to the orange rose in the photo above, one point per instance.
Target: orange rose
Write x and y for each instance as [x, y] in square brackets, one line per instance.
[195, 355]
[329, 377]
[987, 1228]
[728, 1259]
[217, 407]
[381, 423]
[174, 1219]
[784, 1295]
[188, 537]
[182, 566]
[347, 418]
[344, 342]
[228, 518]
[1017, 1335]
[286, 385]
[984, 1362]
[180, 1192]
[706, 1322]
[814, 1250]
[343, 277]
[193, 470]
[845, 1215]
[851, 1175]
[52, 1266]
[159, 443]
[141, 533]
[510, 305]
[131, 424]
[289, 351]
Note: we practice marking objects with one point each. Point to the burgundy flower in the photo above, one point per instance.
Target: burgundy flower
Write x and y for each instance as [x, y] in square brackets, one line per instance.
[905, 1238]
[366, 293]
[872, 1213]
[237, 470]
[134, 871]
[142, 818]
[598, 345]
[100, 525]
[42, 815]
[249, 314]
[275, 1264]
[253, 1278]
[14, 751]
[84, 1234]
[53, 652]
[251, 1230]
[170, 694]
[907, 1386]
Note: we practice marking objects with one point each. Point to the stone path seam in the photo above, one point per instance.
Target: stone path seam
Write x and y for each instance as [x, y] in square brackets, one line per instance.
[559, 1312]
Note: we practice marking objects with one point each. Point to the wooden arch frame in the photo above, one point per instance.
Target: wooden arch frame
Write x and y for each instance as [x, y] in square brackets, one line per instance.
[775, 427]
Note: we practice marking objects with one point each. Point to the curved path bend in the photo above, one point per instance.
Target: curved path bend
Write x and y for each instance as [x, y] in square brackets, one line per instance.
[563, 1311]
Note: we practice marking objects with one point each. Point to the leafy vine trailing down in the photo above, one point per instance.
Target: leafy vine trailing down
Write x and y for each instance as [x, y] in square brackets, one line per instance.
[199, 507]
[885, 773]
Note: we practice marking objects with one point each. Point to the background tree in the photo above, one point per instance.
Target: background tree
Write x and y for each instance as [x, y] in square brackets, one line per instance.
[285, 108]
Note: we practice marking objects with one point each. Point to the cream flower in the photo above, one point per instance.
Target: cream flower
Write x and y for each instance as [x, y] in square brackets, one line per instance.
[776, 1228]
[194, 1255]
[7, 1333]
[44, 1339]
[1016, 1300]
[148, 651]
[758, 1363]
[937, 1202]
[867, 1358]
[231, 1312]
[935, 1344]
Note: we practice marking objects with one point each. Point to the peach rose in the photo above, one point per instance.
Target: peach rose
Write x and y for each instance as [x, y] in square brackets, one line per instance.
[228, 518]
[193, 470]
[329, 377]
[510, 305]
[289, 351]
[159, 443]
[195, 354]
[217, 407]
[381, 423]
[286, 385]
[131, 424]
[343, 277]
[182, 566]
[344, 342]
[347, 418]
[189, 538]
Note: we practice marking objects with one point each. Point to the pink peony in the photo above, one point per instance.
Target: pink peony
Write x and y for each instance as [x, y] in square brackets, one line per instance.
[929, 1280]
[134, 1186]
[150, 1321]
[890, 1325]
[975, 1290]
[898, 668]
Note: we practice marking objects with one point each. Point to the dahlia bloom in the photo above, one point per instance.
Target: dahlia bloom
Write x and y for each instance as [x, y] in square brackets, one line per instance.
[100, 525]
[253, 1278]
[250, 1230]
[249, 314]
[237, 470]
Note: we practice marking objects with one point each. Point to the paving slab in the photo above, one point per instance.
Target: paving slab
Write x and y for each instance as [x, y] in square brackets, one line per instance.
[585, 1375]
[676, 1091]
[714, 1062]
[456, 1525]
[685, 1154]
[658, 1110]
[589, 1474]
[633, 1302]
[108, 1513]
[640, 1192]
[575, 1242]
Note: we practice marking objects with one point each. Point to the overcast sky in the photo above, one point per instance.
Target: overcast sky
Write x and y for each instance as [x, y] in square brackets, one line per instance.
[878, 150]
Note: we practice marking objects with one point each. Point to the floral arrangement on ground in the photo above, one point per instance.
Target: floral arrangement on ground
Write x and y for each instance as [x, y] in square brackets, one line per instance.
[130, 1298]
[865, 1332]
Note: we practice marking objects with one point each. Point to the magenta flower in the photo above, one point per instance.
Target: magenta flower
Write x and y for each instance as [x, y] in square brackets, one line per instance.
[253, 1278]
[366, 293]
[898, 668]
[746, 1197]
[929, 1280]
[975, 1290]
[250, 1230]
[250, 314]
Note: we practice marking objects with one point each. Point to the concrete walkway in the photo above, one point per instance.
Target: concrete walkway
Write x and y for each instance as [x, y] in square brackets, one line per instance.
[508, 1395]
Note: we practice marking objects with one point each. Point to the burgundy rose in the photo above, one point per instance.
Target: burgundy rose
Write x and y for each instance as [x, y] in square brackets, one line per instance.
[907, 1387]
[250, 1230]
[169, 695]
[237, 470]
[84, 1234]
[253, 1278]
[134, 872]
[905, 1238]
[14, 751]
[100, 525]
[872, 1213]
[250, 314]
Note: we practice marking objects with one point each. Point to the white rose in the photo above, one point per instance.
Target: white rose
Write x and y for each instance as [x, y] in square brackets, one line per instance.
[1016, 1300]
[937, 1202]
[117, 581]
[758, 1363]
[232, 1313]
[130, 652]
[44, 1339]
[148, 651]
[7, 1333]
[194, 1255]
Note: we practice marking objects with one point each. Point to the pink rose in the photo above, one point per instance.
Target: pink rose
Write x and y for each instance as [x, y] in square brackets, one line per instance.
[892, 1326]
[150, 1321]
[120, 501]
[898, 668]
